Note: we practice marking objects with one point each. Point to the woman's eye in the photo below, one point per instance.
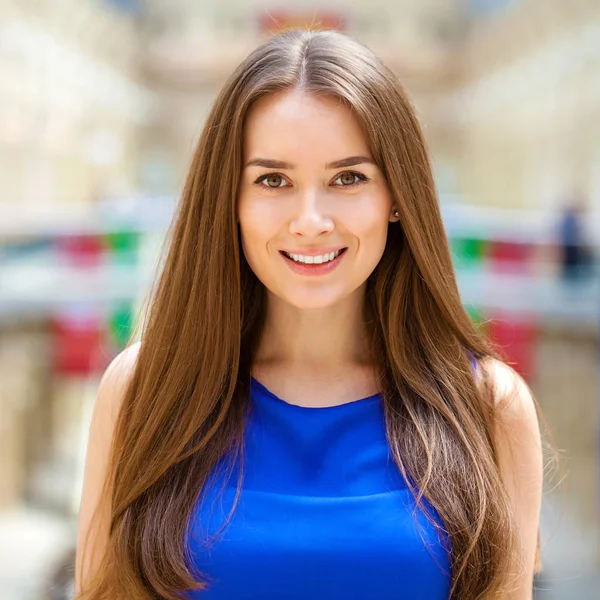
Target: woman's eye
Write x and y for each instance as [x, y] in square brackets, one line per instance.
[349, 178]
[272, 180]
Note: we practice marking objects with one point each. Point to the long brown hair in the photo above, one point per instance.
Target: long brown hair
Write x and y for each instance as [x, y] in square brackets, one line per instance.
[184, 406]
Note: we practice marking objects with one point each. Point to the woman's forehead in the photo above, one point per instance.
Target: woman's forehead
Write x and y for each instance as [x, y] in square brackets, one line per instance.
[295, 122]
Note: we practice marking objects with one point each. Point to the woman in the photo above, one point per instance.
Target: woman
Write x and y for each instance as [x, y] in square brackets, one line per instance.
[310, 412]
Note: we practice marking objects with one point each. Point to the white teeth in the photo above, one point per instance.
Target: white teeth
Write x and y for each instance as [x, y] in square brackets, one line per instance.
[317, 260]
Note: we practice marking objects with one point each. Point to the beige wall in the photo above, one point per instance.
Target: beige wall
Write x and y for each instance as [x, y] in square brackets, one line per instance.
[525, 112]
[71, 106]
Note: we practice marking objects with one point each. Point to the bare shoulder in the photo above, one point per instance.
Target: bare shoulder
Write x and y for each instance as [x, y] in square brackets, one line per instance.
[513, 398]
[114, 381]
[124, 361]
[520, 459]
[94, 509]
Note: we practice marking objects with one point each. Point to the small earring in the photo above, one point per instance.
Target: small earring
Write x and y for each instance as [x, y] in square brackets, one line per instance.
[396, 213]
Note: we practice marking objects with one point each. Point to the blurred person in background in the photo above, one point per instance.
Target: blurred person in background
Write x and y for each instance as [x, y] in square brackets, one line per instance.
[575, 252]
[310, 412]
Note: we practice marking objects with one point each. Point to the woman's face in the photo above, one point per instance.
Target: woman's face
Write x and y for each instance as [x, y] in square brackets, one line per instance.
[310, 188]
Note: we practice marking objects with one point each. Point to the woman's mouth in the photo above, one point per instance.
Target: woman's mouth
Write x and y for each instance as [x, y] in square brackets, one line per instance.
[321, 264]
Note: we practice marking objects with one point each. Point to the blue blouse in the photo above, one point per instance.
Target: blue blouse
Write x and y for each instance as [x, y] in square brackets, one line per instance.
[323, 512]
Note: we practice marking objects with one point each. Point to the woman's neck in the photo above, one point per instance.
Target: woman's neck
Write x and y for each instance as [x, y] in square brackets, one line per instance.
[320, 340]
[316, 357]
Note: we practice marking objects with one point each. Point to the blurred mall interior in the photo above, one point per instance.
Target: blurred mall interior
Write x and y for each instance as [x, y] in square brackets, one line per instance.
[101, 103]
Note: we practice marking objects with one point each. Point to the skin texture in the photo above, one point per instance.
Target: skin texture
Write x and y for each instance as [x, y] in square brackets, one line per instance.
[314, 324]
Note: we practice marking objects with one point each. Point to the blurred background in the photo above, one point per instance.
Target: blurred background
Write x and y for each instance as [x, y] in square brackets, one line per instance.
[100, 105]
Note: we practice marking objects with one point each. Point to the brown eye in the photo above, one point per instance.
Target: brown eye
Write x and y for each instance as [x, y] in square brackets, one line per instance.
[348, 178]
[273, 180]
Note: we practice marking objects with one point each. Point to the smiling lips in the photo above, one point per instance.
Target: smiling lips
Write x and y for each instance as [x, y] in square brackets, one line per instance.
[316, 259]
[314, 264]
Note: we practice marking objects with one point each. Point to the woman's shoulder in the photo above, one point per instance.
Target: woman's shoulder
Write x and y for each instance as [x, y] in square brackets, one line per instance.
[517, 428]
[123, 363]
[107, 406]
[115, 379]
[512, 394]
[520, 457]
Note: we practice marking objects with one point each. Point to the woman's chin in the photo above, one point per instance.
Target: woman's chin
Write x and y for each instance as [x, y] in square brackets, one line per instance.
[312, 301]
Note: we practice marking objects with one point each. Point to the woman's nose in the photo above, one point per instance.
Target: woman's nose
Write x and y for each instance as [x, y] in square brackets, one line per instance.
[311, 217]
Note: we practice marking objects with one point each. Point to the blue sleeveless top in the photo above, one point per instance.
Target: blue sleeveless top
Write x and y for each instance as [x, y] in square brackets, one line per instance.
[323, 513]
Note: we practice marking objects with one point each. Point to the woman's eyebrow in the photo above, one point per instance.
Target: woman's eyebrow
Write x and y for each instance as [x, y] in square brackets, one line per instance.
[270, 163]
[349, 162]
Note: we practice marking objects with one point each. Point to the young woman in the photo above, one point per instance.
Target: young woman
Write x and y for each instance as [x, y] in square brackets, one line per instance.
[310, 412]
